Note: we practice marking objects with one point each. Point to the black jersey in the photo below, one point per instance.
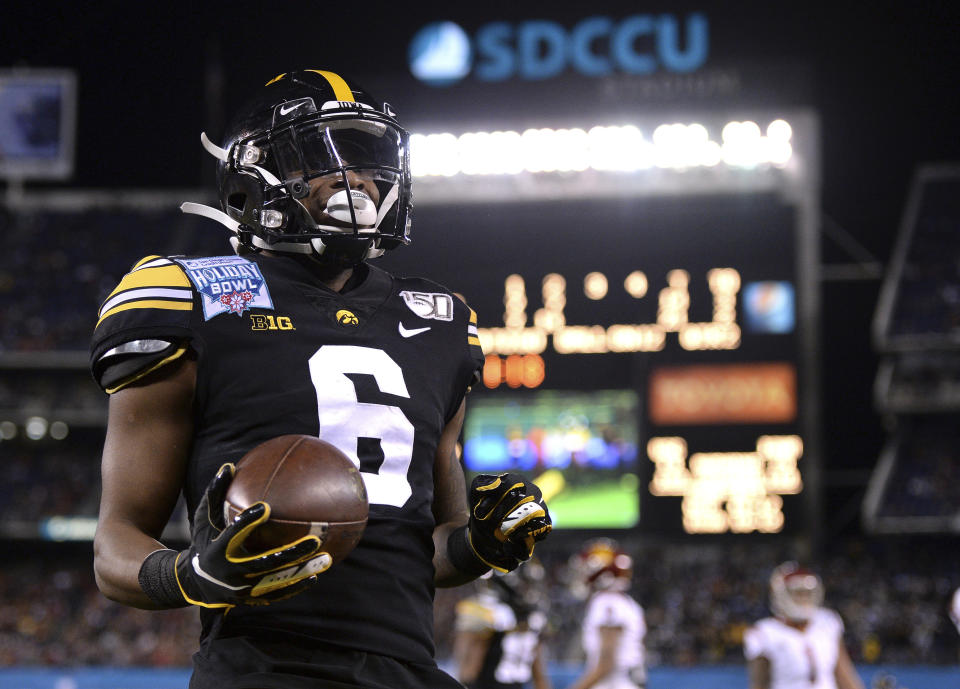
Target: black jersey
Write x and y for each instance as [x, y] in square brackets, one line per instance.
[377, 371]
[513, 640]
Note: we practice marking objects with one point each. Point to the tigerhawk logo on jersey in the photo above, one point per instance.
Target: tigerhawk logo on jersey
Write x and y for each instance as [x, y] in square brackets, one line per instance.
[227, 284]
[433, 305]
[345, 317]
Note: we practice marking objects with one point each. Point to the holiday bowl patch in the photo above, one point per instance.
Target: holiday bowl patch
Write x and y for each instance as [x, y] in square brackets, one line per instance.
[227, 284]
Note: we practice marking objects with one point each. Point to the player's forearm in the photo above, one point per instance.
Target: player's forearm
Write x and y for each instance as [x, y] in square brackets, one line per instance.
[119, 550]
[758, 670]
[588, 680]
[541, 680]
[845, 672]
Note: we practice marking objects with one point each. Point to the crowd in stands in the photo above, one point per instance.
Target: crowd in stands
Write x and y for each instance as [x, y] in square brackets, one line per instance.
[46, 482]
[925, 481]
[58, 266]
[698, 601]
[51, 614]
[927, 301]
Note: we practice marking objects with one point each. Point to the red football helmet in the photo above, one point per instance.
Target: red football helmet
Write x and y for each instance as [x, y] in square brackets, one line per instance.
[602, 565]
[795, 592]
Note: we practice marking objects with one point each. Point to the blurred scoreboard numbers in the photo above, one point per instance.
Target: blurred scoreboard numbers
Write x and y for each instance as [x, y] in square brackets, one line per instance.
[686, 301]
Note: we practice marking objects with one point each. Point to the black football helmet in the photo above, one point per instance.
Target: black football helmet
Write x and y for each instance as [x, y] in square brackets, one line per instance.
[313, 165]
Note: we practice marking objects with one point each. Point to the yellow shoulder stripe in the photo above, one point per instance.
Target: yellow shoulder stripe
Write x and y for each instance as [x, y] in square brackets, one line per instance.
[148, 304]
[161, 276]
[474, 610]
[337, 83]
[473, 340]
[144, 260]
[150, 369]
[473, 316]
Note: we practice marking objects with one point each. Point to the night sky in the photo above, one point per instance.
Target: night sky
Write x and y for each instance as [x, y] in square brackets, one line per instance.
[883, 81]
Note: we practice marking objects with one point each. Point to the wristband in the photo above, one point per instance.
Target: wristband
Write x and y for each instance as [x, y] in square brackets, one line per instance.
[462, 555]
[158, 579]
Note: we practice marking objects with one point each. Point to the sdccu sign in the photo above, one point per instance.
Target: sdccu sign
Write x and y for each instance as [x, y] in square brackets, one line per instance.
[441, 53]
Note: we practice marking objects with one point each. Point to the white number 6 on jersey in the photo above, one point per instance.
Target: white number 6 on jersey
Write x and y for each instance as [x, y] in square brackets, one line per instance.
[343, 419]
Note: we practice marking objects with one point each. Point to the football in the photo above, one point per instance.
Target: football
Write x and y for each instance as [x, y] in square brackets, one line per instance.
[311, 487]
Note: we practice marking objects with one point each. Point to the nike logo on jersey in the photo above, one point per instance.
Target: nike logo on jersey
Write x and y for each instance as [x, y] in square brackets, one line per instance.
[413, 331]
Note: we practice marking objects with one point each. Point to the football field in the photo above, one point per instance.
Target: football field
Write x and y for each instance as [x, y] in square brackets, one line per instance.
[607, 504]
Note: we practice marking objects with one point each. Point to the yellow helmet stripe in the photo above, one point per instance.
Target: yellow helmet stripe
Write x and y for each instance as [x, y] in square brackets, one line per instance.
[339, 86]
[276, 79]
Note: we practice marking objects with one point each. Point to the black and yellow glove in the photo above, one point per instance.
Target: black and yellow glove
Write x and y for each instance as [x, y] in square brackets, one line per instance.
[217, 572]
[507, 517]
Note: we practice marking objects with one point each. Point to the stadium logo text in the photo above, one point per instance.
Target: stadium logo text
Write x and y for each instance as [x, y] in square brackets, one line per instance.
[442, 53]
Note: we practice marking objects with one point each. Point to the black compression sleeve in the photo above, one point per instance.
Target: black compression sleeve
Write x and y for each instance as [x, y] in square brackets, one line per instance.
[461, 553]
[158, 579]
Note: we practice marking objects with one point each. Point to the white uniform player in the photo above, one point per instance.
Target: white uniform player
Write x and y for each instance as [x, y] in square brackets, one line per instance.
[801, 647]
[613, 626]
[955, 609]
[799, 658]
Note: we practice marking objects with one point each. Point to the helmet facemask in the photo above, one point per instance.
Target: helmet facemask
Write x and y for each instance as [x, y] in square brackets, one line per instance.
[314, 167]
[339, 174]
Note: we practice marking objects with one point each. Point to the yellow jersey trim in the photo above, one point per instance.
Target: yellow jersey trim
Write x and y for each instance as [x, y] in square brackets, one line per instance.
[160, 276]
[148, 304]
[146, 259]
[137, 376]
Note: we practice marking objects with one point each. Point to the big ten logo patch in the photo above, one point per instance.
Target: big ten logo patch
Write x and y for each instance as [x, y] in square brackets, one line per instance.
[260, 321]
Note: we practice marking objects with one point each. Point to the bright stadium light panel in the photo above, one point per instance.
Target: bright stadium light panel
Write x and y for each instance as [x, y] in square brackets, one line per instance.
[669, 146]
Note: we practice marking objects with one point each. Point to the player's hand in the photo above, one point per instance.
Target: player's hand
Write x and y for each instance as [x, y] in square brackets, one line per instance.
[216, 571]
[507, 517]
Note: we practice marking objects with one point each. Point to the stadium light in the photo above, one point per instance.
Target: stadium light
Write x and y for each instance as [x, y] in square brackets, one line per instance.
[59, 430]
[36, 427]
[671, 146]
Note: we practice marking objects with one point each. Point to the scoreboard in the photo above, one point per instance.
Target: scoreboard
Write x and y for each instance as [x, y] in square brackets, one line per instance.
[649, 356]
[688, 302]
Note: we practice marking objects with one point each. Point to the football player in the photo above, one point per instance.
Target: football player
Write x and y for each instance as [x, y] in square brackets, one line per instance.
[614, 626]
[802, 645]
[499, 632]
[955, 609]
[295, 332]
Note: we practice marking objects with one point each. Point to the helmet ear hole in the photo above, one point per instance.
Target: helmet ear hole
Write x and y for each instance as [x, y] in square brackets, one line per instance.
[237, 202]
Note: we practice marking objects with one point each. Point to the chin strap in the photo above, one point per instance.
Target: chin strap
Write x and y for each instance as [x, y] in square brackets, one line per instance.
[234, 227]
[315, 245]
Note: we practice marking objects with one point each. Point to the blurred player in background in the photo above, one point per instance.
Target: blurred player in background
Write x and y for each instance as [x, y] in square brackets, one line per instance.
[614, 625]
[500, 630]
[295, 332]
[801, 647]
[955, 609]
